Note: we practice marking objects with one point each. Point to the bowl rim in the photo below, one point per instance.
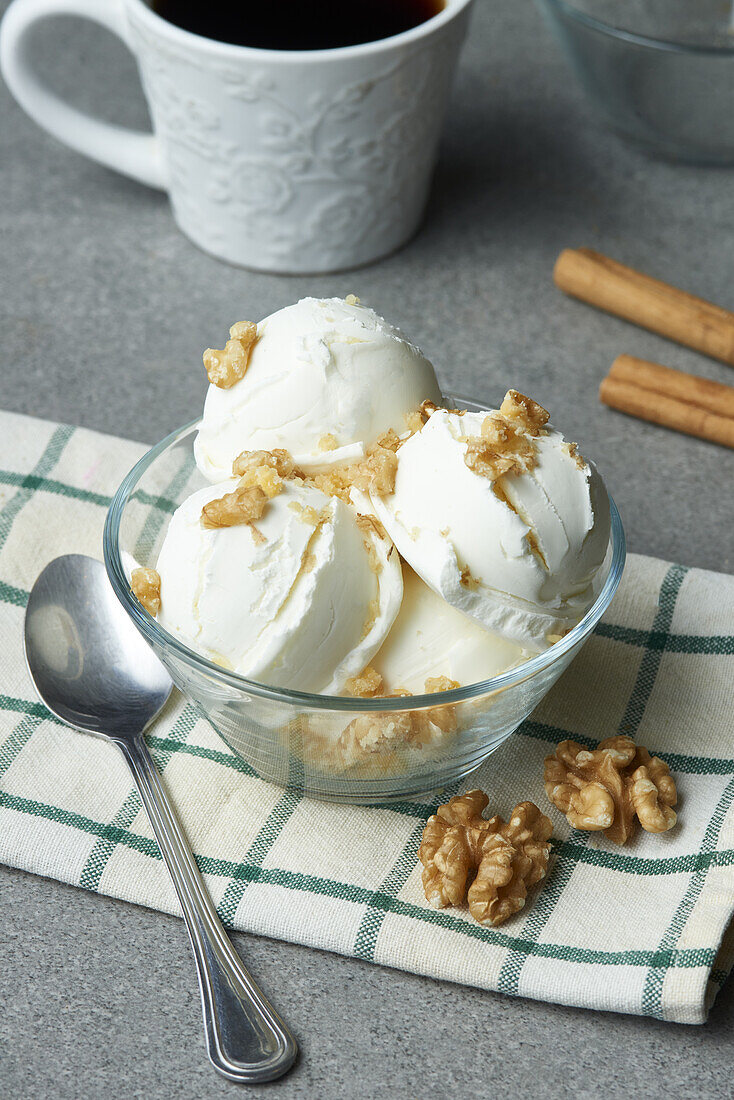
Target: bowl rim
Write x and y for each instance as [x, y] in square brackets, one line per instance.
[633, 37]
[159, 637]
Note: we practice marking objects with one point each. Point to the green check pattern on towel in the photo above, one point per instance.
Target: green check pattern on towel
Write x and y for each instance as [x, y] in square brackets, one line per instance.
[640, 929]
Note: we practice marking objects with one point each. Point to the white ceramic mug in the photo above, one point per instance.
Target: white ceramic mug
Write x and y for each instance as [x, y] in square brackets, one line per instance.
[283, 161]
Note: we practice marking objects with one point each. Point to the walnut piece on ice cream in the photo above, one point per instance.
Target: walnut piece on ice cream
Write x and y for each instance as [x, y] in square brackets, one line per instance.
[523, 411]
[146, 587]
[366, 685]
[227, 366]
[261, 475]
[604, 790]
[505, 444]
[387, 731]
[485, 864]
[376, 472]
[245, 504]
[278, 460]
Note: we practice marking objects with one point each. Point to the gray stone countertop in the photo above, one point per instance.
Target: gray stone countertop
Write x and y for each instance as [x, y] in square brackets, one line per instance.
[105, 309]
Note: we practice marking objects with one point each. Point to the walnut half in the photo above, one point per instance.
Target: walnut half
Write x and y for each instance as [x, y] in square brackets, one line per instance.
[604, 790]
[486, 864]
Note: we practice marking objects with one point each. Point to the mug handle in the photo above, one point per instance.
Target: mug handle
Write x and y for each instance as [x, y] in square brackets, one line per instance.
[135, 154]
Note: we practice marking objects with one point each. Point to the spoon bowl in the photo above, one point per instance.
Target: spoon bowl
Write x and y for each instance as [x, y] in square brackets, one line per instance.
[90, 665]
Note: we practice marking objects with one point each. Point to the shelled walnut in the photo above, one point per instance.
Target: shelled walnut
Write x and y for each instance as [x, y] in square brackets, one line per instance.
[366, 685]
[505, 444]
[146, 587]
[245, 504]
[605, 789]
[381, 732]
[228, 365]
[254, 465]
[486, 864]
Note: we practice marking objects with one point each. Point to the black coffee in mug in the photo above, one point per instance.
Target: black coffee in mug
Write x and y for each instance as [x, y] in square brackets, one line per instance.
[297, 24]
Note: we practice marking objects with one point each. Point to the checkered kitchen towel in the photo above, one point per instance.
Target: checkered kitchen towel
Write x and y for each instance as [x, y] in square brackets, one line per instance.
[641, 929]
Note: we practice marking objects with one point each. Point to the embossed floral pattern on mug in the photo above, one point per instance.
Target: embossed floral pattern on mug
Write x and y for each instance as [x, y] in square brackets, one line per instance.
[295, 166]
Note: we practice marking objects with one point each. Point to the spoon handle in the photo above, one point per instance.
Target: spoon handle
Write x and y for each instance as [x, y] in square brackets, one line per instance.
[246, 1039]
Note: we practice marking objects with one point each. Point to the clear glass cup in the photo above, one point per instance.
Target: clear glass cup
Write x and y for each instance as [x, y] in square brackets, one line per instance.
[316, 743]
[661, 72]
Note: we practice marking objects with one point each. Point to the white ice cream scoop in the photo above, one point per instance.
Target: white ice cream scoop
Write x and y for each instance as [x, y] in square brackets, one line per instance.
[517, 552]
[325, 378]
[430, 638]
[302, 599]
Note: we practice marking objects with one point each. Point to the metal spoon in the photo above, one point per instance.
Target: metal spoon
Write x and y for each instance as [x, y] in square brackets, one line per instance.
[95, 672]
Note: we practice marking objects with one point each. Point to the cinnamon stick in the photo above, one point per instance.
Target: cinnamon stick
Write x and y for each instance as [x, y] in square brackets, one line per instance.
[648, 302]
[670, 412]
[713, 396]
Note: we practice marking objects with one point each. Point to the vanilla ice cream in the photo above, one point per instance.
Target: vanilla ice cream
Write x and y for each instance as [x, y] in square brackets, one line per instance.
[430, 639]
[324, 379]
[516, 546]
[302, 599]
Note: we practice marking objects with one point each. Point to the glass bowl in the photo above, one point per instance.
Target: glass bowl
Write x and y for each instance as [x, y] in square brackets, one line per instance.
[660, 71]
[312, 742]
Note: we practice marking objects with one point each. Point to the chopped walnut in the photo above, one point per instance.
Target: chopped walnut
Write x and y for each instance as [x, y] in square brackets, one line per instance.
[306, 513]
[373, 610]
[486, 864]
[528, 413]
[261, 475]
[336, 482]
[572, 450]
[375, 733]
[265, 470]
[413, 421]
[467, 580]
[482, 460]
[370, 525]
[605, 789]
[352, 300]
[388, 731]
[308, 562]
[373, 743]
[389, 440]
[228, 366]
[442, 718]
[146, 587]
[278, 460]
[505, 444]
[373, 559]
[376, 472]
[328, 442]
[434, 684]
[366, 685]
[418, 418]
[245, 504]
